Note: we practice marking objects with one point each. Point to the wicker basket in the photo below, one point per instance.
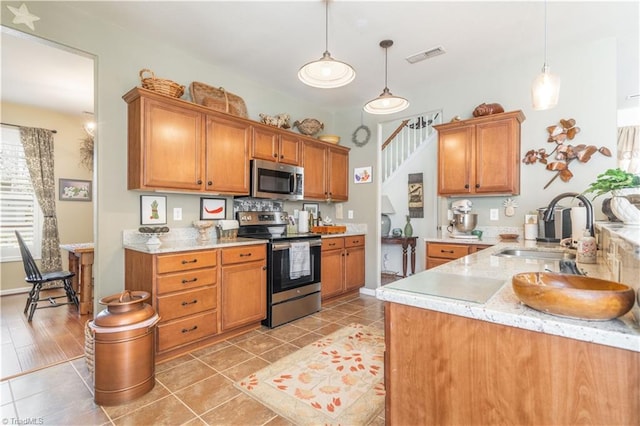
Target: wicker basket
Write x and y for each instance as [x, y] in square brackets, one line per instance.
[218, 98]
[161, 85]
[89, 346]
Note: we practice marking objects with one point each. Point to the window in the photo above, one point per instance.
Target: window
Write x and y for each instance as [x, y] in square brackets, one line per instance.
[19, 209]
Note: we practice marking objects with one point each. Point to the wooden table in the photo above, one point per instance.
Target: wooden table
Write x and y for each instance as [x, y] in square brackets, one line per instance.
[81, 263]
[406, 242]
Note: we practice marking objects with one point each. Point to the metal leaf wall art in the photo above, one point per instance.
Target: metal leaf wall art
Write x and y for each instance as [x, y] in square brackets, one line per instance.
[563, 153]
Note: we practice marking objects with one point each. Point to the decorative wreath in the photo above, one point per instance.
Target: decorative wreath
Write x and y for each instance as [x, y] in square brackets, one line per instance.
[367, 135]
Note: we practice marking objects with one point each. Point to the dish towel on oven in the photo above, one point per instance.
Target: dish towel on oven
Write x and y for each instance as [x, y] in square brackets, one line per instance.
[299, 261]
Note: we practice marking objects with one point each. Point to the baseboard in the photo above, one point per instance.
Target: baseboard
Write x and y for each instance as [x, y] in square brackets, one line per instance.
[368, 291]
[18, 290]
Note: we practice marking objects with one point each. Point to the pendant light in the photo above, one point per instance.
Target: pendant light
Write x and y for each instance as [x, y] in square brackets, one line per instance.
[326, 72]
[545, 89]
[386, 103]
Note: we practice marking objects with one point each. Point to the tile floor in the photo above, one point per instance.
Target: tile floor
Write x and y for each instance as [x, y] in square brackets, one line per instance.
[194, 389]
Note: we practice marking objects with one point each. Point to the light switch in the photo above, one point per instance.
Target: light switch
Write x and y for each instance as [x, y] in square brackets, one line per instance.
[350, 214]
[494, 214]
[177, 213]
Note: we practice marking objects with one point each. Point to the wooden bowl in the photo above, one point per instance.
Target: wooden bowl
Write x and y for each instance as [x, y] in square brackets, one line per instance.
[573, 296]
[334, 139]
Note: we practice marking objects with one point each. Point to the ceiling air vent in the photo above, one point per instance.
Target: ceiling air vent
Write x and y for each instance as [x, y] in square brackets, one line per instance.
[427, 54]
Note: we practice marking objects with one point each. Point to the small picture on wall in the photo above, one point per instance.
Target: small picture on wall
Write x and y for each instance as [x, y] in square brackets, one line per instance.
[74, 190]
[362, 175]
[213, 208]
[312, 208]
[153, 209]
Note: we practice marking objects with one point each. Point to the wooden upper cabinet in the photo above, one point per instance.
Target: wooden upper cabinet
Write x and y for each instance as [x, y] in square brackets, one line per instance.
[480, 156]
[274, 145]
[227, 155]
[160, 135]
[326, 170]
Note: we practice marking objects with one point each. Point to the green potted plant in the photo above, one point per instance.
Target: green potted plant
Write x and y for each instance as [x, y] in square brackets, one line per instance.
[621, 184]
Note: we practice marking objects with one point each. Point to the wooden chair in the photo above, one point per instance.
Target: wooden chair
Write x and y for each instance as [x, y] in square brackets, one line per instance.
[36, 279]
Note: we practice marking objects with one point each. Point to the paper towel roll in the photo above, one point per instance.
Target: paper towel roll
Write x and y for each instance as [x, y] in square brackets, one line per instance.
[530, 231]
[303, 221]
[578, 224]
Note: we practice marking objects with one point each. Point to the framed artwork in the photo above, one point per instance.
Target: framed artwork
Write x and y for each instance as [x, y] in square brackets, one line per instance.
[311, 208]
[74, 190]
[213, 208]
[153, 209]
[362, 175]
[416, 195]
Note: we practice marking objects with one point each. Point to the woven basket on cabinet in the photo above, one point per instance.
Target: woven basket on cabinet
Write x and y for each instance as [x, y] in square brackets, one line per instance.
[161, 85]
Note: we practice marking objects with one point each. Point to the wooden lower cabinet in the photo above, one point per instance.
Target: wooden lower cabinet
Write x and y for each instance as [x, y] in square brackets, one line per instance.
[201, 296]
[443, 369]
[243, 286]
[441, 253]
[343, 265]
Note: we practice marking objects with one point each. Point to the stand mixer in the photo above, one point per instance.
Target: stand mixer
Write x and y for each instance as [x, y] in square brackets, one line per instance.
[462, 222]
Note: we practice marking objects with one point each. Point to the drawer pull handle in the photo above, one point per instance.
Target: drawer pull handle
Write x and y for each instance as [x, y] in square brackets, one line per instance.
[186, 330]
[446, 251]
[189, 281]
[332, 244]
[245, 254]
[193, 302]
[184, 262]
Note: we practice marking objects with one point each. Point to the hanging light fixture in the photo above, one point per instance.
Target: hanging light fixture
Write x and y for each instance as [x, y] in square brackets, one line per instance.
[545, 89]
[386, 103]
[326, 72]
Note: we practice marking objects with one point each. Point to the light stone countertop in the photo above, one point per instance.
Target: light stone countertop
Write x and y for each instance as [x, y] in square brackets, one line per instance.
[504, 307]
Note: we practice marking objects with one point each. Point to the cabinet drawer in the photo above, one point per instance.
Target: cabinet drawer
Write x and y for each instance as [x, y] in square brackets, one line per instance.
[186, 261]
[243, 254]
[186, 280]
[355, 241]
[332, 243]
[186, 330]
[186, 303]
[447, 251]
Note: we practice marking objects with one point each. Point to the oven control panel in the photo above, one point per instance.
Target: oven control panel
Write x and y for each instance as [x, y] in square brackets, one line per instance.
[263, 218]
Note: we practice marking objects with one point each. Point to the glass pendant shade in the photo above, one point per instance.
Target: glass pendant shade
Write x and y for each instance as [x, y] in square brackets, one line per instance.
[326, 73]
[545, 90]
[386, 103]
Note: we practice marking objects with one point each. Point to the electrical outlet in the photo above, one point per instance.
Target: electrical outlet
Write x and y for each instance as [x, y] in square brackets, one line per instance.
[350, 214]
[494, 214]
[177, 213]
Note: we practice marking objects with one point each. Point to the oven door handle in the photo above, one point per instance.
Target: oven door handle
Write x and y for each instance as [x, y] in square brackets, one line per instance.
[284, 246]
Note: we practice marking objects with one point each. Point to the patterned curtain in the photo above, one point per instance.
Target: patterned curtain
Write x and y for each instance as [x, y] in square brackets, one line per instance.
[38, 149]
[629, 149]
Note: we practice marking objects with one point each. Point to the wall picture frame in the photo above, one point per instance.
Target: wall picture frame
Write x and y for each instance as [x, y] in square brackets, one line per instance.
[153, 209]
[362, 175]
[74, 190]
[312, 208]
[213, 208]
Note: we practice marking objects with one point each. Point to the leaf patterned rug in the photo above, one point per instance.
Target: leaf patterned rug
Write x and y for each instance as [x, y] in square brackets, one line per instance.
[336, 380]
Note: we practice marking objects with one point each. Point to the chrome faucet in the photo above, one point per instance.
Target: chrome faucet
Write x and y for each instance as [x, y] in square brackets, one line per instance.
[549, 213]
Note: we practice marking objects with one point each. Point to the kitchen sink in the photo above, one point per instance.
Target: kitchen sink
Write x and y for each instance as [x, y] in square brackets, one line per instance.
[531, 253]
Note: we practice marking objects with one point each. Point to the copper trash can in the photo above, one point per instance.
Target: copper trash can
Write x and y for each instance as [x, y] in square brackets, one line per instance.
[124, 348]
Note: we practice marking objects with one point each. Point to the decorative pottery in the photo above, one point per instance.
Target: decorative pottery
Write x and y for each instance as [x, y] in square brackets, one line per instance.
[203, 229]
[309, 126]
[408, 228]
[623, 208]
[396, 232]
[334, 139]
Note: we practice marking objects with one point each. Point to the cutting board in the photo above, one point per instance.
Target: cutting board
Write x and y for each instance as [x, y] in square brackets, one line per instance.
[333, 229]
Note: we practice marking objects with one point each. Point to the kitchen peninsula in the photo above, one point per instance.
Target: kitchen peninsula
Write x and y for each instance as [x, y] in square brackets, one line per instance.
[482, 357]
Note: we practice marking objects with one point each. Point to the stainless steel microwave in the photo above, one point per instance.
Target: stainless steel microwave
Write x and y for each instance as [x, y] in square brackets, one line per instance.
[276, 181]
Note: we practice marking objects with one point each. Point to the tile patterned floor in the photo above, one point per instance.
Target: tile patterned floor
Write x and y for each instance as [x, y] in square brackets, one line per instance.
[194, 389]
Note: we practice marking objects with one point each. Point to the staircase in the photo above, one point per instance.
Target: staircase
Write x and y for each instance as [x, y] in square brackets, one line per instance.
[407, 137]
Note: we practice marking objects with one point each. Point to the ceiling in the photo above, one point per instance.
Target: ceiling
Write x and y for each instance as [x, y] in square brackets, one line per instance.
[267, 41]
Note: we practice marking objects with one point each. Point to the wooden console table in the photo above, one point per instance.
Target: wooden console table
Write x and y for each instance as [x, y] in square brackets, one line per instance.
[406, 242]
[81, 263]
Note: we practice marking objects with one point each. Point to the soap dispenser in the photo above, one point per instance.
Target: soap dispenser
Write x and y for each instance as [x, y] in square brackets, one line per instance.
[586, 251]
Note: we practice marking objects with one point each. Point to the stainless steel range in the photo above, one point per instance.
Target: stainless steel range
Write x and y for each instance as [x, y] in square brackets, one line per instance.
[293, 266]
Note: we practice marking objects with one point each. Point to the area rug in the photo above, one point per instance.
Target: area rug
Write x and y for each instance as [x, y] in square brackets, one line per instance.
[336, 380]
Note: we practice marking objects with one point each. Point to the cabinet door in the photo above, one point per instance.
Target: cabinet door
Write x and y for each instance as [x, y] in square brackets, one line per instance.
[315, 171]
[265, 144]
[354, 268]
[227, 156]
[244, 294]
[338, 175]
[497, 157]
[455, 167]
[172, 148]
[289, 149]
[332, 270]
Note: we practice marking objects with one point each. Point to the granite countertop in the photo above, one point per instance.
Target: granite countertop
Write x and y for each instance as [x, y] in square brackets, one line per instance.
[494, 273]
[172, 246]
